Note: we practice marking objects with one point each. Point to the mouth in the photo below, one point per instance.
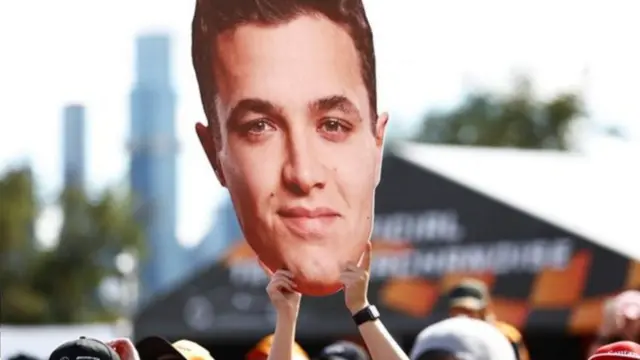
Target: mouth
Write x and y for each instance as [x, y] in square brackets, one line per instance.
[306, 222]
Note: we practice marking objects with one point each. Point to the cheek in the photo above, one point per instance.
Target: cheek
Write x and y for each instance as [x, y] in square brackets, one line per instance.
[250, 176]
[356, 175]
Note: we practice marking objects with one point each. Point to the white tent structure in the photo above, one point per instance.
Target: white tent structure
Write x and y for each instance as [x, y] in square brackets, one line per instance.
[596, 197]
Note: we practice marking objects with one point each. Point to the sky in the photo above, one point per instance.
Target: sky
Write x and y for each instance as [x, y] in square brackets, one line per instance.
[428, 54]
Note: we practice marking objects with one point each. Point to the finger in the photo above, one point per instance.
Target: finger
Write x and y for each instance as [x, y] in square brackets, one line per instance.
[287, 288]
[281, 286]
[289, 282]
[351, 267]
[346, 282]
[282, 276]
[279, 283]
[365, 263]
[284, 273]
[348, 279]
[266, 269]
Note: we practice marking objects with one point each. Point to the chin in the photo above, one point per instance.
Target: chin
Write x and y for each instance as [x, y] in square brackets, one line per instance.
[318, 281]
[316, 278]
[324, 289]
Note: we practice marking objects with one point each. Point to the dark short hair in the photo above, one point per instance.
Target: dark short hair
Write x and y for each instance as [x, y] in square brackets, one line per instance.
[213, 17]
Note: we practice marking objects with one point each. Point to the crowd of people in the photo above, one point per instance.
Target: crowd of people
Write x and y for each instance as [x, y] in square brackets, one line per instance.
[471, 332]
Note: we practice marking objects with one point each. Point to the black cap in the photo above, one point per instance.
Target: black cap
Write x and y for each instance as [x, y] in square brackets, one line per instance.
[155, 347]
[469, 294]
[343, 350]
[84, 349]
[23, 357]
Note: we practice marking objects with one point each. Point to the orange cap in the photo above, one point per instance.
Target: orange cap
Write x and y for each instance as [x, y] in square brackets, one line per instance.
[262, 348]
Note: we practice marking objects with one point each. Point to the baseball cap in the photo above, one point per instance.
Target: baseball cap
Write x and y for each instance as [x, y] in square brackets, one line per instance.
[617, 351]
[84, 349]
[262, 348]
[465, 338]
[469, 294]
[343, 350]
[157, 348]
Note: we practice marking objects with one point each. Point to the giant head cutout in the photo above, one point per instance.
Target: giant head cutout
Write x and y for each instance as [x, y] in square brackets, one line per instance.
[289, 91]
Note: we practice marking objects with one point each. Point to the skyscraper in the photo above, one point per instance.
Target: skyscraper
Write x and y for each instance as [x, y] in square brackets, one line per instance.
[153, 149]
[224, 232]
[74, 146]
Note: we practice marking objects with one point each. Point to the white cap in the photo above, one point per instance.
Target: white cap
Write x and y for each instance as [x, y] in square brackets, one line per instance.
[466, 338]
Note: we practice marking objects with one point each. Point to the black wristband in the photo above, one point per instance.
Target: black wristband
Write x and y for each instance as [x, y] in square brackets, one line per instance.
[369, 313]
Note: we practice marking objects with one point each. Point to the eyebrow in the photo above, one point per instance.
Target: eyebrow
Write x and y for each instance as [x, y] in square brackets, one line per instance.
[265, 107]
[253, 105]
[335, 102]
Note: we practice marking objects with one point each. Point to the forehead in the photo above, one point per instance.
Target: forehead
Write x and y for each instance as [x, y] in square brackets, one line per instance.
[289, 64]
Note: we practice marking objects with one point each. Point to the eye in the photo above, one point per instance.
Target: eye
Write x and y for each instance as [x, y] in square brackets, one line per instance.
[335, 130]
[333, 126]
[258, 127]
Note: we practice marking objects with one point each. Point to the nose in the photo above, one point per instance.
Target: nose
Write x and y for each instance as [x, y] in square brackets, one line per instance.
[304, 168]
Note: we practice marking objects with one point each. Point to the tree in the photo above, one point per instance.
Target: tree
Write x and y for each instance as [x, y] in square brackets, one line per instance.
[517, 120]
[18, 209]
[60, 285]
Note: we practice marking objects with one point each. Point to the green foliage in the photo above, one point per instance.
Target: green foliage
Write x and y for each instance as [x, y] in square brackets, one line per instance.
[59, 285]
[517, 120]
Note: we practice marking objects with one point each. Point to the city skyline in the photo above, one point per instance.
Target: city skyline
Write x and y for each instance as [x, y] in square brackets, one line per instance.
[95, 67]
[153, 149]
[74, 146]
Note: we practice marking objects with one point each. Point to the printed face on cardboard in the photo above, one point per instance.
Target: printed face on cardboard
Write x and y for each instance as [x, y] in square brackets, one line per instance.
[298, 147]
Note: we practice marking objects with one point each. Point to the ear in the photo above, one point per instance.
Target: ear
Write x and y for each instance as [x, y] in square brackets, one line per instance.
[380, 130]
[209, 147]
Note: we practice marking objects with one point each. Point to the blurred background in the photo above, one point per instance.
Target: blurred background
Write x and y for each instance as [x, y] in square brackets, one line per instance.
[514, 129]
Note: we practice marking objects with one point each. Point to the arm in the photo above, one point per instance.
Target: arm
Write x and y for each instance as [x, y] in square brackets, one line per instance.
[381, 345]
[286, 301]
[283, 338]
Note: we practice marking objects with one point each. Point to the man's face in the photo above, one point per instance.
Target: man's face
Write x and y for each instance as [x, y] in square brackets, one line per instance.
[297, 150]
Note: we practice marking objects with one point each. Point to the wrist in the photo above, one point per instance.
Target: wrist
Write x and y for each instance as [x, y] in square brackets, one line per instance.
[357, 307]
[369, 314]
[287, 316]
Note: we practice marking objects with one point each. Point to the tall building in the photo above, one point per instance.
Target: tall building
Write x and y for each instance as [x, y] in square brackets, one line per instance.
[153, 149]
[74, 150]
[223, 233]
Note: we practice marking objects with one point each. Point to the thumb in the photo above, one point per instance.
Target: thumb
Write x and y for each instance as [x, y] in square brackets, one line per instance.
[365, 263]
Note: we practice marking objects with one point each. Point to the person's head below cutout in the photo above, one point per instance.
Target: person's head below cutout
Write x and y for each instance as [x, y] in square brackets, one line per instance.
[157, 348]
[462, 338]
[343, 350]
[263, 347]
[289, 92]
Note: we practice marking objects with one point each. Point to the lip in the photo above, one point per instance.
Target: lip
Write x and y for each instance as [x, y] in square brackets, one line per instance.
[309, 213]
[308, 222]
